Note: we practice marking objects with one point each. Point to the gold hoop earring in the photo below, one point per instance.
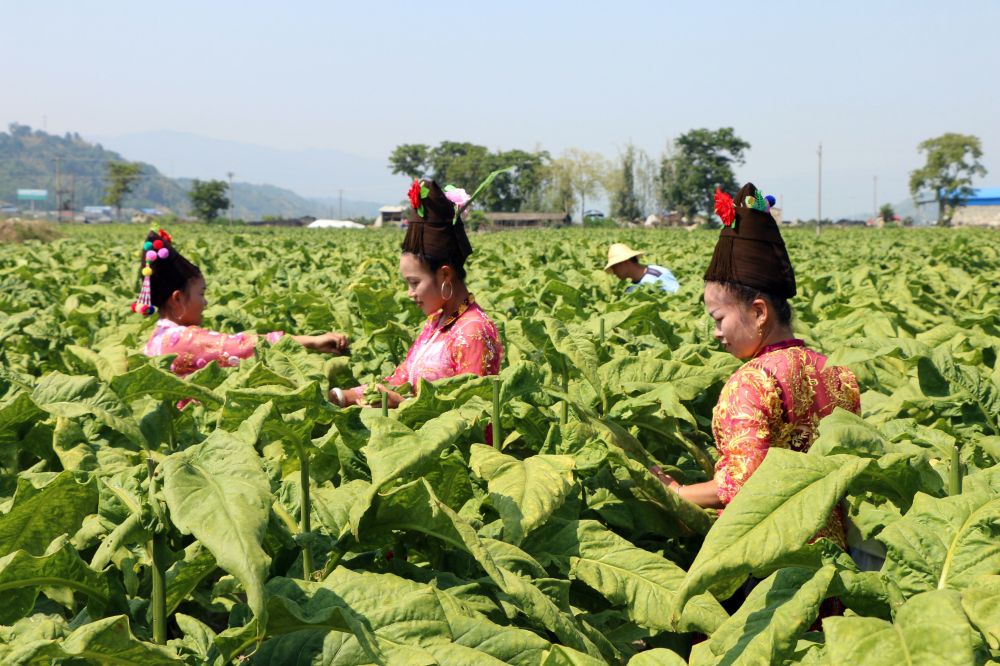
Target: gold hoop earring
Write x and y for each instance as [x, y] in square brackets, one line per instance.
[451, 291]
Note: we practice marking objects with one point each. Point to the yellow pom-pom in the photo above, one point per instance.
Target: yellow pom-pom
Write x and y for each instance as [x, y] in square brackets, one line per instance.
[750, 201]
[147, 271]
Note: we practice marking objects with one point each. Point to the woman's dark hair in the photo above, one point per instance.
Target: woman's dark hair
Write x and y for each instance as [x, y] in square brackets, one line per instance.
[748, 295]
[434, 263]
[170, 274]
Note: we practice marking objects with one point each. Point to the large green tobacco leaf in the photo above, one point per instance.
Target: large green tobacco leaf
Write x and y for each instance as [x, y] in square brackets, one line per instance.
[291, 360]
[981, 602]
[152, 381]
[560, 655]
[40, 514]
[22, 575]
[108, 363]
[185, 574]
[14, 414]
[688, 517]
[524, 492]
[643, 583]
[104, 641]
[780, 508]
[218, 491]
[397, 452]
[383, 615]
[766, 628]
[944, 542]
[243, 402]
[929, 629]
[657, 657]
[414, 507]
[72, 397]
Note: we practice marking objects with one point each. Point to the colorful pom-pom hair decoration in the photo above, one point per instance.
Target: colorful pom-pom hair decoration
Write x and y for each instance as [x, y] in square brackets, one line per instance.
[150, 252]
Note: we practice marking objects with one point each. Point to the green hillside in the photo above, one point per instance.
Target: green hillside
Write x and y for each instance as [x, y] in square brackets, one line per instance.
[33, 159]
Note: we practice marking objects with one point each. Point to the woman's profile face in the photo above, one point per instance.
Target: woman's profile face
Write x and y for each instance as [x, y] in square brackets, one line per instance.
[191, 302]
[422, 285]
[736, 322]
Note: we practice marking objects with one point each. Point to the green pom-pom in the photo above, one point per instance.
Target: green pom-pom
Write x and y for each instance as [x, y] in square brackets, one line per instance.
[148, 245]
[760, 203]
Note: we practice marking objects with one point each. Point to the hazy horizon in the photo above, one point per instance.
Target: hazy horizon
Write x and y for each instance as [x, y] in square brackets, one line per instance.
[869, 81]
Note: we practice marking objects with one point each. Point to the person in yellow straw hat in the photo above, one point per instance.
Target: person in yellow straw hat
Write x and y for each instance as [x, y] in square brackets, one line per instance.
[623, 261]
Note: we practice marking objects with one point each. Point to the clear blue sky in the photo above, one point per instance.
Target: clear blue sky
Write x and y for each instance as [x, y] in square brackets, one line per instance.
[868, 79]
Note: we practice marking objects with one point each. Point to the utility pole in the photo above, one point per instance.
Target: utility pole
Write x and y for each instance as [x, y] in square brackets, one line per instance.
[230, 174]
[819, 189]
[340, 204]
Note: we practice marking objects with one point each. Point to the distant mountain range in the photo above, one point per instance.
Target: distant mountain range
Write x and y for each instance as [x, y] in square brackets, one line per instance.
[33, 159]
[319, 174]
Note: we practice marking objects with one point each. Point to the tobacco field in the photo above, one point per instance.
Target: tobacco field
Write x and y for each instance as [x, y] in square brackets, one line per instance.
[262, 525]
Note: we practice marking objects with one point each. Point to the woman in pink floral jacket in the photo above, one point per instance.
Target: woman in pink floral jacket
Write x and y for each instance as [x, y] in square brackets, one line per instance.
[458, 337]
[175, 288]
[779, 396]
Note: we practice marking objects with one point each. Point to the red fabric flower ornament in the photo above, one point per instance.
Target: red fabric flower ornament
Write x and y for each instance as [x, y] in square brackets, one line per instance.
[414, 194]
[417, 192]
[724, 207]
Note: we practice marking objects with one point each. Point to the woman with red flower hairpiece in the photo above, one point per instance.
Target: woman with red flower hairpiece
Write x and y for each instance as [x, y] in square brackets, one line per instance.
[175, 288]
[779, 396]
[458, 337]
[783, 391]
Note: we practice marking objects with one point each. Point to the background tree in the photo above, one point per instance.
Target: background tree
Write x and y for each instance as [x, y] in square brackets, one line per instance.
[520, 189]
[624, 200]
[466, 164]
[461, 164]
[579, 175]
[952, 163]
[122, 178]
[410, 159]
[887, 213]
[700, 161]
[208, 198]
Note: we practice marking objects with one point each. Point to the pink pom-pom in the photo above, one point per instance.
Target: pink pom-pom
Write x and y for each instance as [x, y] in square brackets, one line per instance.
[150, 255]
[133, 307]
[163, 253]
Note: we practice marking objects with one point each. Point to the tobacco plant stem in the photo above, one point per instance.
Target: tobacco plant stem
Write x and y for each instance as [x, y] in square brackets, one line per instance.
[955, 488]
[385, 404]
[157, 552]
[497, 427]
[305, 523]
[159, 600]
[564, 417]
[601, 330]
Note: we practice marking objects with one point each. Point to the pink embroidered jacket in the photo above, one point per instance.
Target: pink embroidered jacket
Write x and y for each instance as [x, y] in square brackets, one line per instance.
[196, 347]
[465, 342]
[776, 399]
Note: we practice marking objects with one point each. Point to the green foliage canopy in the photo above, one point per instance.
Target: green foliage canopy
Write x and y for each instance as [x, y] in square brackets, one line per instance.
[952, 163]
[701, 161]
[208, 198]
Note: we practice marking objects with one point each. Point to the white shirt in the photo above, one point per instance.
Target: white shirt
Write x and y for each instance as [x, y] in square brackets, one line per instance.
[660, 276]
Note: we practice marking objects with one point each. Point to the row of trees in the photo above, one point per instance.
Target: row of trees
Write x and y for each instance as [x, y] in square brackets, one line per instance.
[683, 180]
[207, 197]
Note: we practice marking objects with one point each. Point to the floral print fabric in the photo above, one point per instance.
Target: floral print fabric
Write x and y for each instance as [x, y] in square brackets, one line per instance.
[777, 400]
[465, 342]
[196, 347]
